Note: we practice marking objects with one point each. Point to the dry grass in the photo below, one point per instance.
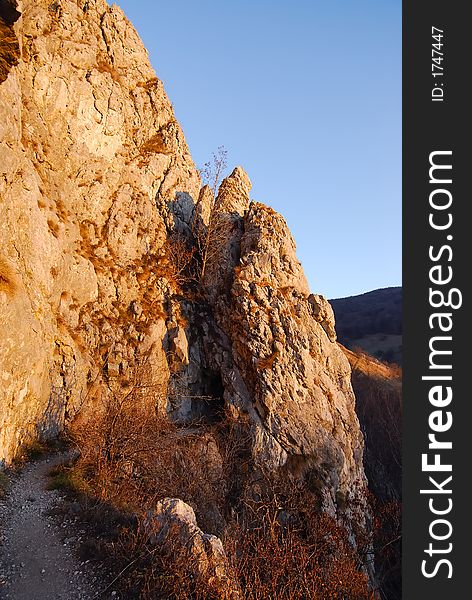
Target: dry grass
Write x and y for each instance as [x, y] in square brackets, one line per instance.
[149, 84]
[34, 449]
[155, 145]
[8, 279]
[168, 572]
[104, 66]
[265, 283]
[276, 562]
[364, 363]
[278, 545]
[378, 390]
[143, 459]
[176, 261]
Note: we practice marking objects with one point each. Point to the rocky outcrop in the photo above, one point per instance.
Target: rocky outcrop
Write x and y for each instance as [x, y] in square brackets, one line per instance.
[226, 232]
[101, 215]
[173, 527]
[285, 368]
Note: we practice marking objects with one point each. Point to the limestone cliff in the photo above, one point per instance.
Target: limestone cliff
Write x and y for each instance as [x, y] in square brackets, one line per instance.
[99, 198]
[88, 142]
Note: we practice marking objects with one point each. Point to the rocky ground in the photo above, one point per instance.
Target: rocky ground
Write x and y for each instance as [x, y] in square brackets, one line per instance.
[38, 551]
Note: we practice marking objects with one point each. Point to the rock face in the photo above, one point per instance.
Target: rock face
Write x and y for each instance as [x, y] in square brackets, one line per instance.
[88, 142]
[285, 367]
[101, 207]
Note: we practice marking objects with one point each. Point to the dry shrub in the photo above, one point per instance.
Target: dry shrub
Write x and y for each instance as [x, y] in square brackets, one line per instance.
[387, 542]
[378, 391]
[131, 457]
[155, 144]
[267, 363]
[53, 228]
[282, 547]
[165, 572]
[8, 281]
[210, 239]
[278, 544]
[103, 66]
[176, 261]
[264, 283]
[135, 457]
[149, 84]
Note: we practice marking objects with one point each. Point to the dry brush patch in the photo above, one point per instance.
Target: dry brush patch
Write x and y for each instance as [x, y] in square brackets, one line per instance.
[167, 571]
[176, 261]
[378, 391]
[105, 66]
[278, 545]
[282, 547]
[213, 236]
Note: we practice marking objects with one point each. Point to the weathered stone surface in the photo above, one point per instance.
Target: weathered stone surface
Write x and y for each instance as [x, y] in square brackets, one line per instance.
[323, 314]
[88, 145]
[179, 346]
[9, 48]
[226, 229]
[233, 195]
[287, 371]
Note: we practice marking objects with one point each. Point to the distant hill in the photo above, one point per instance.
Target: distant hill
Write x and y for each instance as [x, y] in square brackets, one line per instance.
[373, 322]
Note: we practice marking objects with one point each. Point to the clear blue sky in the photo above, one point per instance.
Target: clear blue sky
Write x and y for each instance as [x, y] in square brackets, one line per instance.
[306, 96]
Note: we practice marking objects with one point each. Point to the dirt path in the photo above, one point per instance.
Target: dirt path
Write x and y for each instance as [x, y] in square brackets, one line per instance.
[37, 552]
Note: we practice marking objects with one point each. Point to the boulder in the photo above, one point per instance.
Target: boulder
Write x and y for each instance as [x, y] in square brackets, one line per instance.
[173, 527]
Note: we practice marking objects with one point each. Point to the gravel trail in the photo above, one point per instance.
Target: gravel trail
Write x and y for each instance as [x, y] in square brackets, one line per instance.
[38, 558]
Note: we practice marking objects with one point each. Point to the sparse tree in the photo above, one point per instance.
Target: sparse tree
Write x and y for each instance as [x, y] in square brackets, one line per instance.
[213, 170]
[207, 234]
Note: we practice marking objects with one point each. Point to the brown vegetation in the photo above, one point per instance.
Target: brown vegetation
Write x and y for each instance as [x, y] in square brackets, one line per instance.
[267, 363]
[149, 84]
[155, 144]
[104, 66]
[378, 389]
[278, 544]
[282, 547]
[212, 236]
[176, 261]
[53, 228]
